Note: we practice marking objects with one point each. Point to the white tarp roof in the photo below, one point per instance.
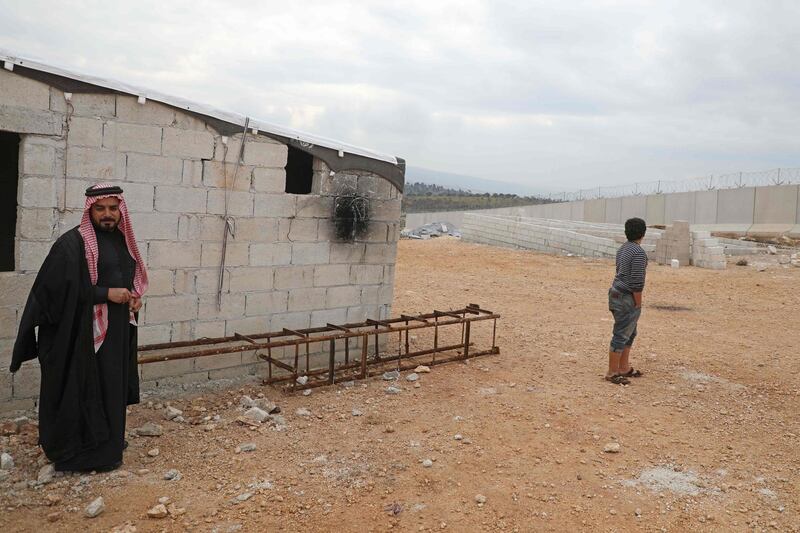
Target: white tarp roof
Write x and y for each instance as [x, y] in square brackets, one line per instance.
[195, 107]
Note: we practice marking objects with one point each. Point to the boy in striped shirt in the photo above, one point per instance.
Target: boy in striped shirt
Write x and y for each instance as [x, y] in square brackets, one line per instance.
[625, 302]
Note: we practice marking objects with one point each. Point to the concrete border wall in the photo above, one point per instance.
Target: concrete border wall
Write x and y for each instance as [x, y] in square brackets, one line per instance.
[750, 210]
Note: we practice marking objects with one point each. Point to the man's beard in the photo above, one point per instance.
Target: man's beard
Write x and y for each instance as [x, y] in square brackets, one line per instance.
[108, 225]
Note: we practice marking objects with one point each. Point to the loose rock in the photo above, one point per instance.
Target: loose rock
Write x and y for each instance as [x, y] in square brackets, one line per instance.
[357, 412]
[391, 375]
[46, 474]
[6, 461]
[172, 475]
[302, 380]
[256, 414]
[412, 377]
[427, 463]
[95, 508]
[246, 447]
[480, 499]
[158, 511]
[393, 390]
[149, 429]
[302, 411]
[154, 452]
[422, 369]
[611, 447]
[171, 413]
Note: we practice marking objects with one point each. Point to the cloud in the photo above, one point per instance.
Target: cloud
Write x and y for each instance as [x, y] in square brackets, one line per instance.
[571, 94]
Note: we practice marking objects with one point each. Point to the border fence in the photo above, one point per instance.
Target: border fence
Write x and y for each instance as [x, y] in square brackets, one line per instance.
[735, 180]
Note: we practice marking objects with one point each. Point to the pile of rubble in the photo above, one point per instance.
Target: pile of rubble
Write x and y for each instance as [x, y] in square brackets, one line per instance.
[433, 229]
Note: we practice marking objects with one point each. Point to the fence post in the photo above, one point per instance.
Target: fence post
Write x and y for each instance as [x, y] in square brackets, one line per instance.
[740, 179]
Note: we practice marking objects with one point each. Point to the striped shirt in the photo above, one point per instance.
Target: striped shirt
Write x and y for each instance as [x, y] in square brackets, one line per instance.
[631, 266]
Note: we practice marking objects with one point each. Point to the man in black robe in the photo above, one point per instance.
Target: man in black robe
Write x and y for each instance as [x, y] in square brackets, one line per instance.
[85, 301]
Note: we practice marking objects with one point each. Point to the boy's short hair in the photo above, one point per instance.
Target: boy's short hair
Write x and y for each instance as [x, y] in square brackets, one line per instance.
[635, 228]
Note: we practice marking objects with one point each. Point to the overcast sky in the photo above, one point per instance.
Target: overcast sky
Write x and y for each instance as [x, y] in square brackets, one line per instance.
[556, 95]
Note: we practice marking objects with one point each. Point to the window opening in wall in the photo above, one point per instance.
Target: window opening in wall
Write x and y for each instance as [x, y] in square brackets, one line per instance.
[299, 171]
[9, 178]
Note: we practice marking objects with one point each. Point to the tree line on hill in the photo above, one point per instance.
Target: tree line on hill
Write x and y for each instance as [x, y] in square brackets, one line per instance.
[422, 197]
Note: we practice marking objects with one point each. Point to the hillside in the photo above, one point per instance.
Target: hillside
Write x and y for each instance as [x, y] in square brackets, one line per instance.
[424, 197]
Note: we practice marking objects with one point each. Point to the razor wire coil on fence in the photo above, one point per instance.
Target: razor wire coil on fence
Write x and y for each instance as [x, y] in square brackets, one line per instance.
[735, 180]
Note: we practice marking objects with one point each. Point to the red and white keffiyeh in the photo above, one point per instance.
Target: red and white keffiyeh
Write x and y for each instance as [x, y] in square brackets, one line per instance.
[87, 231]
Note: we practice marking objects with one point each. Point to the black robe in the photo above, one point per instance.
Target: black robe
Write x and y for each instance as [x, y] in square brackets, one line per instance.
[83, 395]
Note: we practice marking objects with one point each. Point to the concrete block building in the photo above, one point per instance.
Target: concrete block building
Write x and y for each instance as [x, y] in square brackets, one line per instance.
[186, 177]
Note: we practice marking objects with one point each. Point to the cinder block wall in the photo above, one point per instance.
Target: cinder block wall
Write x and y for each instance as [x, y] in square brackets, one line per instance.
[284, 267]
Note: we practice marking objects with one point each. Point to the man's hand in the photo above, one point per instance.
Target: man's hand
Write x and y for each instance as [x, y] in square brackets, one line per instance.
[135, 304]
[119, 296]
[637, 299]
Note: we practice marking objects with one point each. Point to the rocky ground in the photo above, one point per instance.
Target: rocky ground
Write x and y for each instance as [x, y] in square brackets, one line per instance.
[530, 440]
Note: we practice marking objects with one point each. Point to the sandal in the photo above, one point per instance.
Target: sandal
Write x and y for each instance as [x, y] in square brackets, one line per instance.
[618, 379]
[632, 373]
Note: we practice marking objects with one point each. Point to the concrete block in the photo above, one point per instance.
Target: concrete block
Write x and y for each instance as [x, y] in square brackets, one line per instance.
[232, 372]
[376, 232]
[30, 121]
[307, 299]
[240, 203]
[247, 326]
[270, 254]
[85, 131]
[269, 180]
[154, 169]
[186, 120]
[161, 309]
[310, 253]
[192, 173]
[151, 112]
[345, 296]
[36, 224]
[8, 322]
[613, 211]
[275, 205]
[138, 196]
[385, 210]
[188, 144]
[320, 317]
[154, 334]
[366, 274]
[99, 165]
[221, 175]
[37, 158]
[31, 254]
[36, 192]
[370, 294]
[161, 282]
[265, 154]
[314, 206]
[163, 254]
[206, 281]
[297, 320]
[164, 369]
[214, 362]
[381, 253]
[210, 330]
[347, 252]
[256, 229]
[266, 303]
[17, 90]
[14, 288]
[595, 210]
[331, 275]
[250, 279]
[153, 225]
[132, 138]
[85, 104]
[293, 277]
[233, 306]
[180, 199]
[237, 254]
[25, 381]
[302, 230]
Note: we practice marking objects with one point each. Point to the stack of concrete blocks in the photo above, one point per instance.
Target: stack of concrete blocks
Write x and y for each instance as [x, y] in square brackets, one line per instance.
[674, 244]
[531, 234]
[284, 267]
[707, 252]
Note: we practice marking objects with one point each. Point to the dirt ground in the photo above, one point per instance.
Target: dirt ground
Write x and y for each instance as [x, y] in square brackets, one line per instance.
[709, 438]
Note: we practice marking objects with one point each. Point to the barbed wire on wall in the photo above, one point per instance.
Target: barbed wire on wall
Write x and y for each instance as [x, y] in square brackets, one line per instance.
[735, 180]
